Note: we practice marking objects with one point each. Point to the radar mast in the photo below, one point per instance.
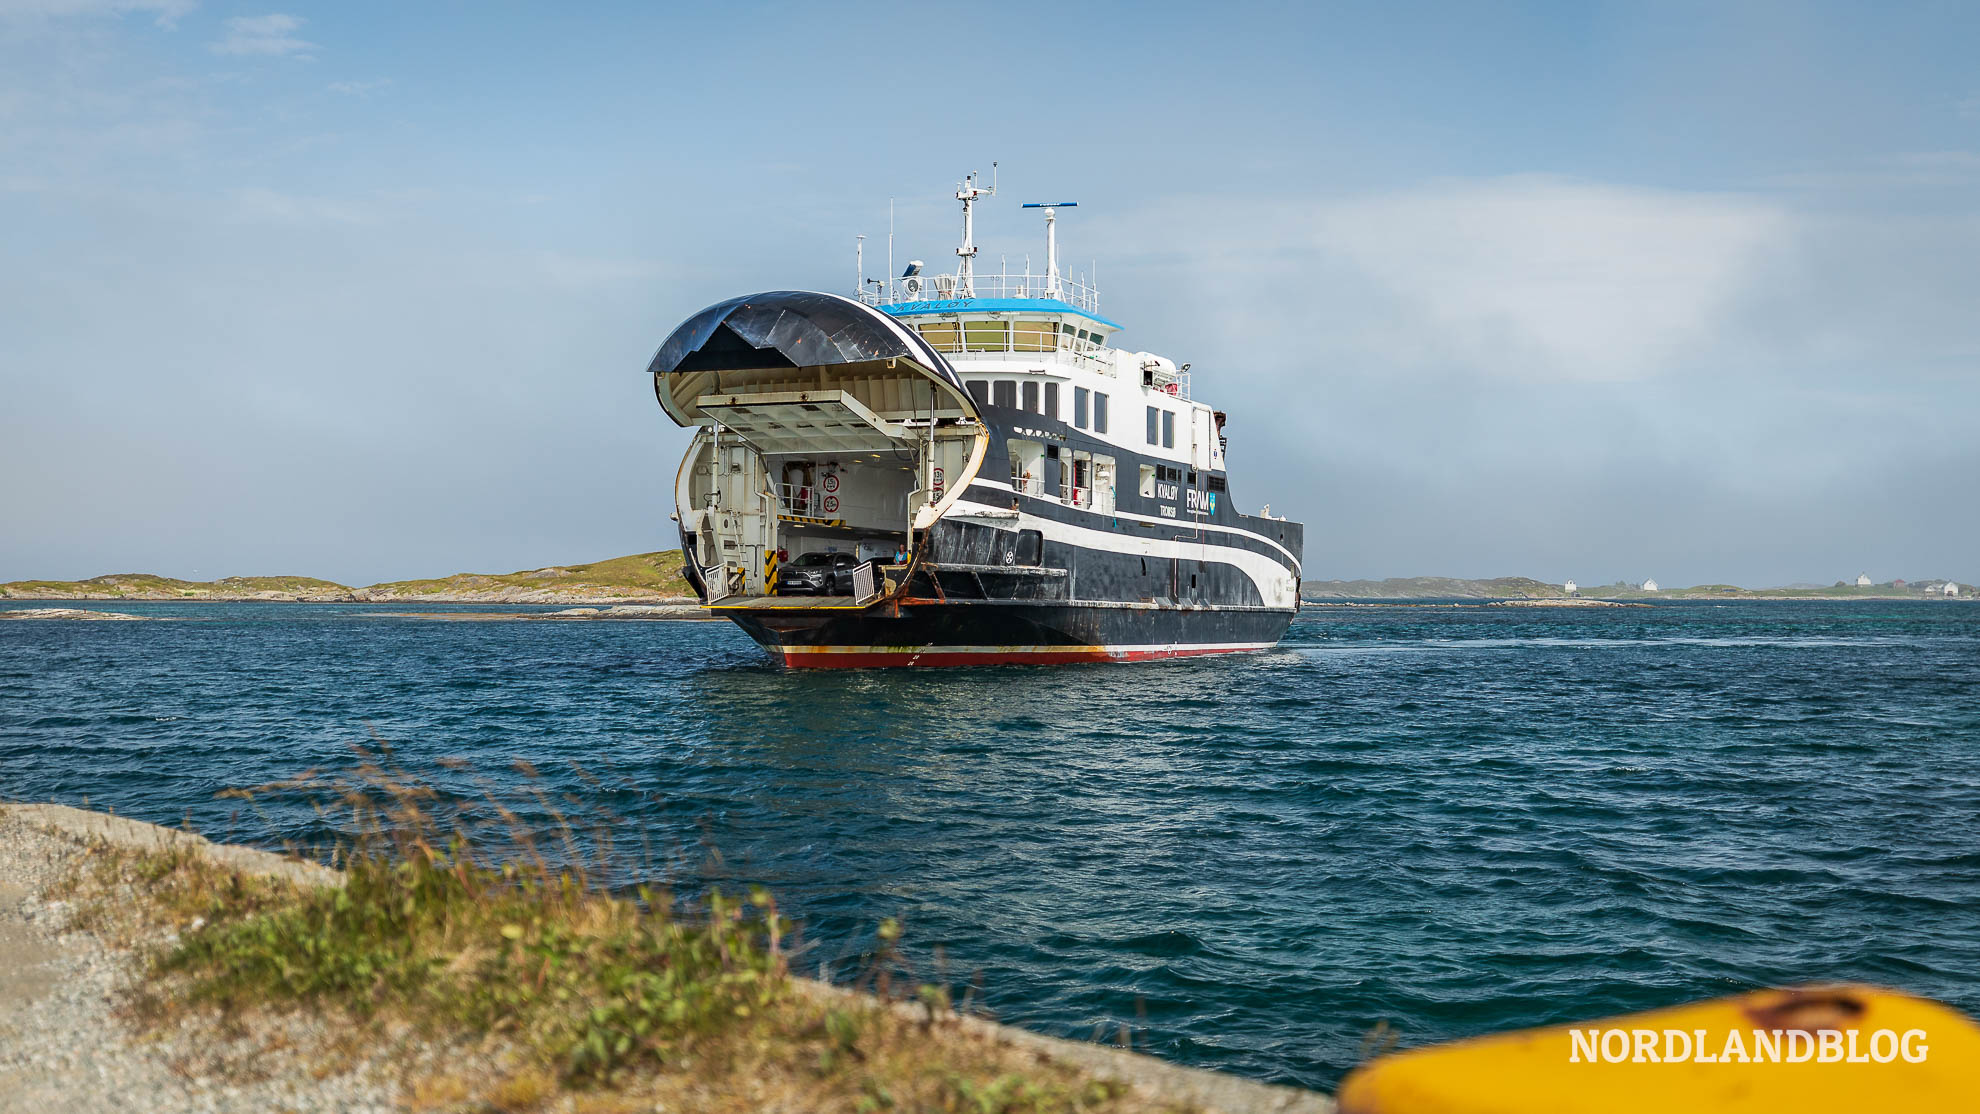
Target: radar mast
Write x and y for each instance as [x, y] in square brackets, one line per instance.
[967, 194]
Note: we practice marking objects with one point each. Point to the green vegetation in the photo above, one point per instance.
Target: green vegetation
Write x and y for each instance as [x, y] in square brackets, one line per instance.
[145, 586]
[578, 997]
[639, 576]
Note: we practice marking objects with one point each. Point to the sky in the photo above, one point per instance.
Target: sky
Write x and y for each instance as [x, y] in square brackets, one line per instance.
[1601, 291]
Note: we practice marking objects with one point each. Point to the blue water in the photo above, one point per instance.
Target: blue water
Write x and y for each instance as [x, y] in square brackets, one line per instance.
[1451, 820]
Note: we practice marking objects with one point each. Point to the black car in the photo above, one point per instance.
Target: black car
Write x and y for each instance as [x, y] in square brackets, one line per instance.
[817, 574]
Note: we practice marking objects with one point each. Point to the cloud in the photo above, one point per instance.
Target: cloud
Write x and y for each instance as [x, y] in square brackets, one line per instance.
[273, 34]
[1530, 278]
[359, 88]
[1539, 279]
[165, 13]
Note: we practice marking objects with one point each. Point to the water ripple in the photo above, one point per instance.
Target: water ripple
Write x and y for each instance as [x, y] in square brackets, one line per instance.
[1451, 820]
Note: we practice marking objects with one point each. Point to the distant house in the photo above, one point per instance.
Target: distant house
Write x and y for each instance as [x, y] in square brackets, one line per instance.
[1649, 585]
[1950, 589]
[1898, 583]
[1568, 587]
[1863, 580]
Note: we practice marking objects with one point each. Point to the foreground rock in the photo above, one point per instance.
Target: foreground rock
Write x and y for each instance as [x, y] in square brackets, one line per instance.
[64, 1049]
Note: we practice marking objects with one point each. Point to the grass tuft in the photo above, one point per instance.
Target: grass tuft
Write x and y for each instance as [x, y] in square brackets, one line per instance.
[597, 1000]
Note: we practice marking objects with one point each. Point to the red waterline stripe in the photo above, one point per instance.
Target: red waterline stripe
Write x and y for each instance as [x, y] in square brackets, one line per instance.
[869, 659]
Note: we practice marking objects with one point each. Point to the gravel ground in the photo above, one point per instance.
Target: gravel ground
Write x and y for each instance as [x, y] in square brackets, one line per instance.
[65, 1050]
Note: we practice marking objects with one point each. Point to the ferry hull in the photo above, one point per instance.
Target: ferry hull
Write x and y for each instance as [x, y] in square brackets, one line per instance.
[998, 633]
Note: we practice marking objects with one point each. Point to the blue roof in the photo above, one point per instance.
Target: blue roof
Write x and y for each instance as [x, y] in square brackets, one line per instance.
[986, 305]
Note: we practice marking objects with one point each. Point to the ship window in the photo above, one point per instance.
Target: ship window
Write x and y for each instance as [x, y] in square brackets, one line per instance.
[1168, 430]
[979, 389]
[1218, 483]
[1052, 400]
[1004, 392]
[1030, 548]
[1034, 336]
[1030, 395]
[1154, 425]
[986, 336]
[1148, 481]
[1079, 406]
[1099, 412]
[1076, 481]
[1192, 477]
[940, 335]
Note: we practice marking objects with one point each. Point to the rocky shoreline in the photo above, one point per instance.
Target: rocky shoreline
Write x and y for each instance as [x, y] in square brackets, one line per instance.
[70, 1045]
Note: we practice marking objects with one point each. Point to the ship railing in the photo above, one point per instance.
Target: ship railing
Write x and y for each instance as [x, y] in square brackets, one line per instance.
[1003, 343]
[805, 500]
[1029, 484]
[948, 288]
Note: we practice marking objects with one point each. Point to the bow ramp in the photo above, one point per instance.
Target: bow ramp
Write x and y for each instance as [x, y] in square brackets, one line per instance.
[823, 428]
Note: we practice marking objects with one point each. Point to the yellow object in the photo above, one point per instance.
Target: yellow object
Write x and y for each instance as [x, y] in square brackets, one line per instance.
[1834, 1048]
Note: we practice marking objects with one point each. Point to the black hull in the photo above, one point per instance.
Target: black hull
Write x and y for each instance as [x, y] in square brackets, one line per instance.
[983, 632]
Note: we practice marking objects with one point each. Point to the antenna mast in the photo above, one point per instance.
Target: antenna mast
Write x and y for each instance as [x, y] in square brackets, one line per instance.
[859, 254]
[967, 194]
[1051, 240]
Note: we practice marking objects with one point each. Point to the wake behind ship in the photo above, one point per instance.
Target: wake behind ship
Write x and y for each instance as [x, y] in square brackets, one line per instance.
[960, 468]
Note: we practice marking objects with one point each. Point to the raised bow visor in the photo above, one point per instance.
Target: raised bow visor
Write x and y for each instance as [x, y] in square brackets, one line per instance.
[825, 426]
[762, 338]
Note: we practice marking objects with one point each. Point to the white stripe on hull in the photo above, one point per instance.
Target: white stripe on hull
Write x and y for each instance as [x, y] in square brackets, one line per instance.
[1131, 517]
[1276, 584]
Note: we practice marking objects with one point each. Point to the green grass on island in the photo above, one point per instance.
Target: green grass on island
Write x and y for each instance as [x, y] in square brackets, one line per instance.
[639, 576]
[657, 576]
[141, 585]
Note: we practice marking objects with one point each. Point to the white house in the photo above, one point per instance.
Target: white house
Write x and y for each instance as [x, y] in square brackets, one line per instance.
[1568, 587]
[1863, 580]
[1649, 585]
[1950, 589]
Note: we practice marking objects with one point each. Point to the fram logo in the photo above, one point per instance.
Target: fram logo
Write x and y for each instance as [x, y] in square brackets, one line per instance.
[1204, 502]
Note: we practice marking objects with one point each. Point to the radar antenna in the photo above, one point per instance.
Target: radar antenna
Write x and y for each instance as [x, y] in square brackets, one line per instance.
[1051, 240]
[967, 194]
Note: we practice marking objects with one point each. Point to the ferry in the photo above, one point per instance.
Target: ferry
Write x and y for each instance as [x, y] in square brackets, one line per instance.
[958, 469]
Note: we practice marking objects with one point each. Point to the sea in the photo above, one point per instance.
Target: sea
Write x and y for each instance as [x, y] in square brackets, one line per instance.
[1408, 823]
